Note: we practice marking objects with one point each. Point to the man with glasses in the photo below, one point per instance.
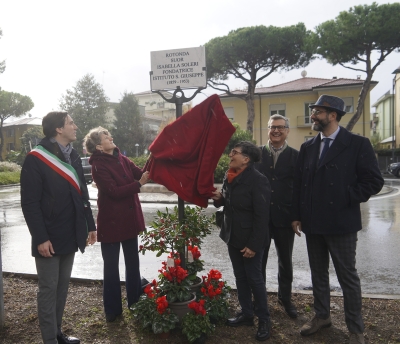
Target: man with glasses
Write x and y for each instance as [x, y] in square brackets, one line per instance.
[335, 172]
[277, 164]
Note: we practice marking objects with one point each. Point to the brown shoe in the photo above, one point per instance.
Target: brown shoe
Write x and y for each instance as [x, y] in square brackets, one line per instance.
[356, 338]
[314, 325]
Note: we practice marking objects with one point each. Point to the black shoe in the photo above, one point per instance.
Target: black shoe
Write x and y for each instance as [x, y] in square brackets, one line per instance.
[264, 331]
[289, 307]
[111, 317]
[63, 339]
[240, 320]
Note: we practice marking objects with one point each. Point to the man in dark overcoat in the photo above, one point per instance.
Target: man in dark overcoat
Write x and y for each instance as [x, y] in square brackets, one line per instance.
[335, 172]
[277, 164]
[55, 203]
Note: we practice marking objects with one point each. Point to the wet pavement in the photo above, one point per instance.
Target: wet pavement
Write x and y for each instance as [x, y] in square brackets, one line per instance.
[378, 259]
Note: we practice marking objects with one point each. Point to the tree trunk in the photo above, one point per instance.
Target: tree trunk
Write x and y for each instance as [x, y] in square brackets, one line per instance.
[250, 110]
[361, 101]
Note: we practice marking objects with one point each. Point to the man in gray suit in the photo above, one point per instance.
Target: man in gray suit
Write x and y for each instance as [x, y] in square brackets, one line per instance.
[335, 172]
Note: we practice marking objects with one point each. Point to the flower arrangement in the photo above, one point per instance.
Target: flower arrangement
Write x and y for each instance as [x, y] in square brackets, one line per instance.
[153, 311]
[173, 281]
[197, 324]
[216, 293]
[182, 242]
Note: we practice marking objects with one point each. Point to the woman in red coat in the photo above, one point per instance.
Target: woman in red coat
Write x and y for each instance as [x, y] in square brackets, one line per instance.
[119, 218]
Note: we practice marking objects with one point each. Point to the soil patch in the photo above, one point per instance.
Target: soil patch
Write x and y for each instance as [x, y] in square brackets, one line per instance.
[84, 318]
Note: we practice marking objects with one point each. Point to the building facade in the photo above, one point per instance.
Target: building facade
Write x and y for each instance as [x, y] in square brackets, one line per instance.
[382, 121]
[291, 100]
[396, 105]
[12, 133]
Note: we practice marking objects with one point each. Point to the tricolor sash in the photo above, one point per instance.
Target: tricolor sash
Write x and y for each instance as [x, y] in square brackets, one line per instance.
[62, 168]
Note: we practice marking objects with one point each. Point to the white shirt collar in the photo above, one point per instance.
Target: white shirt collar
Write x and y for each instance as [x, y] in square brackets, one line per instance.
[332, 136]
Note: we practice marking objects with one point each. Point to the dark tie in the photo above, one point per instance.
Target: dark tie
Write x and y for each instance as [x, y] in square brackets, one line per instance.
[325, 149]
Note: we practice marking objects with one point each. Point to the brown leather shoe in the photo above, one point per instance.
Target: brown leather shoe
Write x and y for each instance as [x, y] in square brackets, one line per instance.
[314, 325]
[356, 338]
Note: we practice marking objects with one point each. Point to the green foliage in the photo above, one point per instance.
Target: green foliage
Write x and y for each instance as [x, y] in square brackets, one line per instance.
[87, 104]
[12, 105]
[139, 161]
[7, 178]
[252, 54]
[354, 34]
[357, 36]
[145, 311]
[16, 157]
[387, 152]
[29, 140]
[196, 325]
[216, 293]
[238, 136]
[129, 126]
[167, 235]
[32, 136]
[222, 167]
[375, 140]
[175, 289]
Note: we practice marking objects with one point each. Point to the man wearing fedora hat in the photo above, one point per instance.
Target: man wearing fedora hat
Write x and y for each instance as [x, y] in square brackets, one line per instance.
[335, 172]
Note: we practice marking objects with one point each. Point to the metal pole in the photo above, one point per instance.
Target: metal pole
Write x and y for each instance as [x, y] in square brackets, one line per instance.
[181, 202]
[179, 98]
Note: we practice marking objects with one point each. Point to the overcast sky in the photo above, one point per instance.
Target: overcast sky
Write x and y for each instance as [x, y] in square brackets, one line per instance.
[49, 45]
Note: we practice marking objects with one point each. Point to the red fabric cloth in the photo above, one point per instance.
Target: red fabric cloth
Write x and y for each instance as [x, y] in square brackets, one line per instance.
[186, 153]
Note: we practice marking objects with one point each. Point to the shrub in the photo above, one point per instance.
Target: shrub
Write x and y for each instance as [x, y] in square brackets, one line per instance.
[6, 166]
[222, 167]
[139, 161]
[7, 178]
[238, 136]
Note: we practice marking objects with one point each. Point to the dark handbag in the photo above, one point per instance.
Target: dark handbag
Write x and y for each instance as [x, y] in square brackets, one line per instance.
[219, 217]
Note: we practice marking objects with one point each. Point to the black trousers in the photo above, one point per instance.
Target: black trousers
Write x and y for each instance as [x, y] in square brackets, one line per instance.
[283, 239]
[249, 282]
[111, 285]
[342, 249]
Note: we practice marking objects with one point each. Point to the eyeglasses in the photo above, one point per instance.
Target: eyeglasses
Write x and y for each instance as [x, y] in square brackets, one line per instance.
[317, 112]
[277, 127]
[234, 152]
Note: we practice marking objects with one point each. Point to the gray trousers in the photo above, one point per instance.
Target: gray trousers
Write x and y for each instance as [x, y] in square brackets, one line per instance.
[342, 249]
[53, 275]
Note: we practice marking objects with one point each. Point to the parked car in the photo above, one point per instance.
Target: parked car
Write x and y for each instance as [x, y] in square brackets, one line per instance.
[394, 169]
[87, 170]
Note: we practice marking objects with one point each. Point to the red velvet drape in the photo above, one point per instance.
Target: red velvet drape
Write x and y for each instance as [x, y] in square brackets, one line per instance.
[186, 153]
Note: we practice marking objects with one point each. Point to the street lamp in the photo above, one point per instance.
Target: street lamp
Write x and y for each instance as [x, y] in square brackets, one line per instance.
[137, 147]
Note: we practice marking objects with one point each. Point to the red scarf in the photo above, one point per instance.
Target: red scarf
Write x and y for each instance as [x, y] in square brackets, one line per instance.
[232, 174]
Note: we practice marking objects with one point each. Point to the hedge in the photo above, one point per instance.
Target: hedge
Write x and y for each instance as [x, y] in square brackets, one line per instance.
[7, 178]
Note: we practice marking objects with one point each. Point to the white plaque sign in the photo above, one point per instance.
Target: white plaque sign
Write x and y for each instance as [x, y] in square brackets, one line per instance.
[178, 67]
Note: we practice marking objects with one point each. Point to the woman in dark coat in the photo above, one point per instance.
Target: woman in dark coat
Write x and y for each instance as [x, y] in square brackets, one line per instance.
[246, 196]
[119, 218]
